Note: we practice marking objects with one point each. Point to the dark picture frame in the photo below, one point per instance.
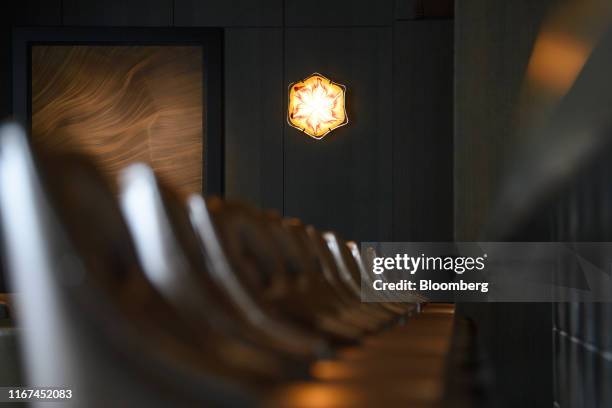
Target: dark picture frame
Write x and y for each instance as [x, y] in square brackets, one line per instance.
[210, 39]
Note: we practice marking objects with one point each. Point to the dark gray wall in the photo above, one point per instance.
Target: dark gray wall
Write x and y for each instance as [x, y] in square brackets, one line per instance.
[387, 175]
[349, 173]
[422, 151]
[493, 41]
[491, 58]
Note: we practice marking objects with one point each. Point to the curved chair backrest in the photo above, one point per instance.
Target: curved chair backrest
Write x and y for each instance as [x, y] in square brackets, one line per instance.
[329, 267]
[83, 303]
[249, 248]
[312, 265]
[222, 242]
[294, 258]
[348, 275]
[307, 301]
[174, 263]
[382, 297]
[163, 248]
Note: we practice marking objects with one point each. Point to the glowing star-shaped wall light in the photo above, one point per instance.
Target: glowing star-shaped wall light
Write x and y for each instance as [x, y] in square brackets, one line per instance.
[316, 106]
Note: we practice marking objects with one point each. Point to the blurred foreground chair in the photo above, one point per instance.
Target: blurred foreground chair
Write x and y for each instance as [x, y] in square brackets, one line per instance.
[92, 322]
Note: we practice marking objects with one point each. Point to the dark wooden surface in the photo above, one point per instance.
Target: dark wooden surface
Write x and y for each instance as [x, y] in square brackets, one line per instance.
[254, 115]
[404, 366]
[423, 131]
[343, 181]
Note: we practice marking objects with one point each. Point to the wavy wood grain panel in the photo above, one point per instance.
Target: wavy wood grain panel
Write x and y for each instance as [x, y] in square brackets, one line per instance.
[122, 104]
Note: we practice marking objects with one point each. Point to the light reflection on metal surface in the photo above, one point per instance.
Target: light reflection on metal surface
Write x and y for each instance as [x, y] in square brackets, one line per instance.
[140, 203]
[27, 219]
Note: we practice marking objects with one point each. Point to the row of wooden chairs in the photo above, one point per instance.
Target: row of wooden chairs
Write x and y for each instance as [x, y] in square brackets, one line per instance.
[143, 298]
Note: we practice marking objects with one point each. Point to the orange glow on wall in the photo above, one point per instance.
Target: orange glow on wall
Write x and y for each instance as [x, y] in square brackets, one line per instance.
[557, 59]
[317, 106]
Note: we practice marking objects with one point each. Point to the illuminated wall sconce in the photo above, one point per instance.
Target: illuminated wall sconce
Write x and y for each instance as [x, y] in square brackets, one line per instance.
[316, 106]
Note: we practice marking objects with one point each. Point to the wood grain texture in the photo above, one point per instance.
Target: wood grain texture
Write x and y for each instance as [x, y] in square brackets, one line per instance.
[122, 104]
